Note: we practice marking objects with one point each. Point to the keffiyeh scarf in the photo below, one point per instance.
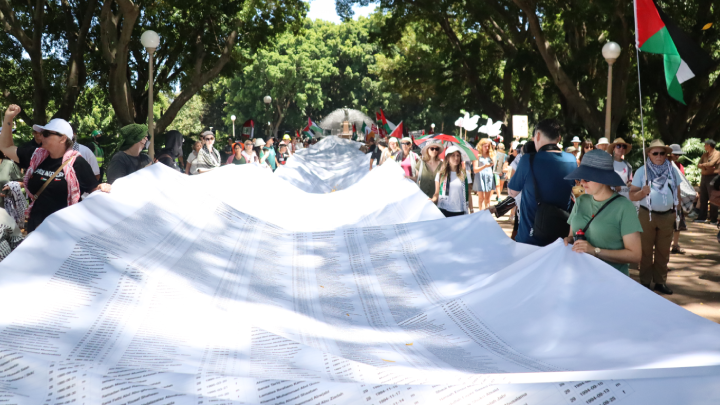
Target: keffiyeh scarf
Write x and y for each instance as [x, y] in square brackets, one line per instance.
[208, 159]
[38, 157]
[661, 177]
[15, 203]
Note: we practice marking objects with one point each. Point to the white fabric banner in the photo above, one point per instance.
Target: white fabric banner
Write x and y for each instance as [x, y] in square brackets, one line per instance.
[177, 290]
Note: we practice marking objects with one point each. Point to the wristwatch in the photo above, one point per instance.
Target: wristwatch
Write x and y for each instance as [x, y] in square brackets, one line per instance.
[597, 252]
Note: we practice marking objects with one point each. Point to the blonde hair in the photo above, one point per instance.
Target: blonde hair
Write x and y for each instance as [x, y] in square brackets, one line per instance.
[491, 150]
[445, 168]
[426, 151]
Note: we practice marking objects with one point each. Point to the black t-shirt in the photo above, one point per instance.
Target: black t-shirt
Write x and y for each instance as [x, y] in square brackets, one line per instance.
[123, 164]
[168, 161]
[376, 154]
[55, 196]
[282, 157]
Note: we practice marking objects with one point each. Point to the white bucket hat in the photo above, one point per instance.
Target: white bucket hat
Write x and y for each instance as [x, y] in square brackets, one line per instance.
[259, 142]
[58, 125]
[575, 140]
[602, 141]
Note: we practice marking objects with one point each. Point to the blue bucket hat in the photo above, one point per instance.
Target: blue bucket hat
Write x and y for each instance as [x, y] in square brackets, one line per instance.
[597, 166]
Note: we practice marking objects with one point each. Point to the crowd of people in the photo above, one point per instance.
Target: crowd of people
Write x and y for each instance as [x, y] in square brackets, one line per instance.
[558, 194]
[554, 194]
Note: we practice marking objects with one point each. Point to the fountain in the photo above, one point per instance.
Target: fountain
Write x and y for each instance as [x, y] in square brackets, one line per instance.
[340, 122]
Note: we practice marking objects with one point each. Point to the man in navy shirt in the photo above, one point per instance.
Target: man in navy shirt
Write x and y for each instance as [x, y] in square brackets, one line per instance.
[550, 167]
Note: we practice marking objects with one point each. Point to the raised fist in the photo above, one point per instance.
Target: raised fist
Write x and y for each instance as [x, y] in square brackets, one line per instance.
[12, 111]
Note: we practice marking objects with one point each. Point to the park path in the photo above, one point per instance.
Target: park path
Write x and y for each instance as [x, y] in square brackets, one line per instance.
[694, 276]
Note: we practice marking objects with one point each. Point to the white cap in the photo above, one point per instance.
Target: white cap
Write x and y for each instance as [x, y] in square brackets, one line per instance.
[58, 125]
[603, 141]
[259, 142]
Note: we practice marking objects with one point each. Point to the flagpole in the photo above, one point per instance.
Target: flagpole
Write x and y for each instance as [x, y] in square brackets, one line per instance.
[642, 126]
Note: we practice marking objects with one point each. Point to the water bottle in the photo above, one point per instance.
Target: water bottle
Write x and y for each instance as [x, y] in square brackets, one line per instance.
[580, 235]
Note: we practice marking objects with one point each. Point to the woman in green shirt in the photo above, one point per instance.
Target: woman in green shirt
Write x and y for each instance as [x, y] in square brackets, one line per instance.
[427, 167]
[615, 236]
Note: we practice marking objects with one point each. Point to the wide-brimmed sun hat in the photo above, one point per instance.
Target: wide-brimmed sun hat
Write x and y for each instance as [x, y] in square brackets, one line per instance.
[677, 149]
[602, 141]
[570, 149]
[432, 142]
[658, 143]
[597, 166]
[620, 141]
[575, 140]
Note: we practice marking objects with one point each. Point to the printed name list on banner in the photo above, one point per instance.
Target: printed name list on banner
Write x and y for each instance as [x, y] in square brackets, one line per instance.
[170, 297]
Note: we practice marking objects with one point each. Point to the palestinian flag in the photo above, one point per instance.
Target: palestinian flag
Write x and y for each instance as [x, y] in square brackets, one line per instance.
[398, 131]
[385, 125]
[655, 33]
[312, 127]
[354, 135]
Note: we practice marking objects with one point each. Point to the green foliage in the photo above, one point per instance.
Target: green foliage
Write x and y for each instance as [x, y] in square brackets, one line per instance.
[189, 119]
[693, 148]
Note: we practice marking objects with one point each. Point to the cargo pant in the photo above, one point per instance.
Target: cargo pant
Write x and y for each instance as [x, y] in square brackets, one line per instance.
[656, 239]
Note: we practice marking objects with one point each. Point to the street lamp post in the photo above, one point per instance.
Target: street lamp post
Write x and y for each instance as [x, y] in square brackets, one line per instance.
[433, 127]
[610, 52]
[267, 100]
[150, 40]
[233, 118]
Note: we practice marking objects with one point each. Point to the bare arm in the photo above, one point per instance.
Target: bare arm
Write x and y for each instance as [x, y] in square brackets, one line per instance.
[630, 254]
[7, 146]
[437, 193]
[512, 193]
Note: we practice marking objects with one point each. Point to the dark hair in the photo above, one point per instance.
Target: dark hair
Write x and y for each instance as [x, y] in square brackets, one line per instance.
[549, 129]
[383, 143]
[68, 143]
[529, 147]
[583, 145]
[710, 142]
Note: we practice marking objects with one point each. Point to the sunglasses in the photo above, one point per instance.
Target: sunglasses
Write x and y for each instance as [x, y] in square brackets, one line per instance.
[209, 138]
[621, 146]
[658, 153]
[406, 143]
[46, 134]
[434, 149]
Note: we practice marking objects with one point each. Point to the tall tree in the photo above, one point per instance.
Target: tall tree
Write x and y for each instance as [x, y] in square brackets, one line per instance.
[200, 40]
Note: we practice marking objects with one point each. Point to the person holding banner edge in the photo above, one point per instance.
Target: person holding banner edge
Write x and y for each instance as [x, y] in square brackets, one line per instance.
[615, 237]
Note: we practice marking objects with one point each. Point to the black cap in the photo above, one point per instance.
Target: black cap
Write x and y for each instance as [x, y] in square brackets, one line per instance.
[710, 142]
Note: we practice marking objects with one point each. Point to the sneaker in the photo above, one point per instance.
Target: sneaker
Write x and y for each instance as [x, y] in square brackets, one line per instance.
[714, 221]
[700, 221]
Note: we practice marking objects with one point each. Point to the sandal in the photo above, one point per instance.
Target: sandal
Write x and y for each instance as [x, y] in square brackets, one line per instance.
[677, 250]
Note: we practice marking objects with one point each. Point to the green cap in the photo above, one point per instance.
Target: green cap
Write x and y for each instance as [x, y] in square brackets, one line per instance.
[96, 133]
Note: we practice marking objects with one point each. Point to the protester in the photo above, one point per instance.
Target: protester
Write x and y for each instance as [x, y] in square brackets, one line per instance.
[259, 146]
[382, 145]
[615, 236]
[208, 157]
[576, 142]
[657, 213]
[427, 167]
[227, 150]
[547, 168]
[500, 169]
[237, 157]
[86, 153]
[269, 150]
[573, 151]
[619, 148]
[55, 172]
[687, 199]
[288, 141]
[9, 171]
[128, 158]
[602, 144]
[408, 159]
[191, 165]
[249, 154]
[172, 150]
[484, 182]
[452, 195]
[394, 146]
[586, 147]
[283, 154]
[298, 144]
[709, 162]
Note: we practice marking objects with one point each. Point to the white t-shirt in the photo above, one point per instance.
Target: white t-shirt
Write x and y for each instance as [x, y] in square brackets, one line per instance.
[623, 170]
[191, 159]
[455, 201]
[249, 157]
[88, 155]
